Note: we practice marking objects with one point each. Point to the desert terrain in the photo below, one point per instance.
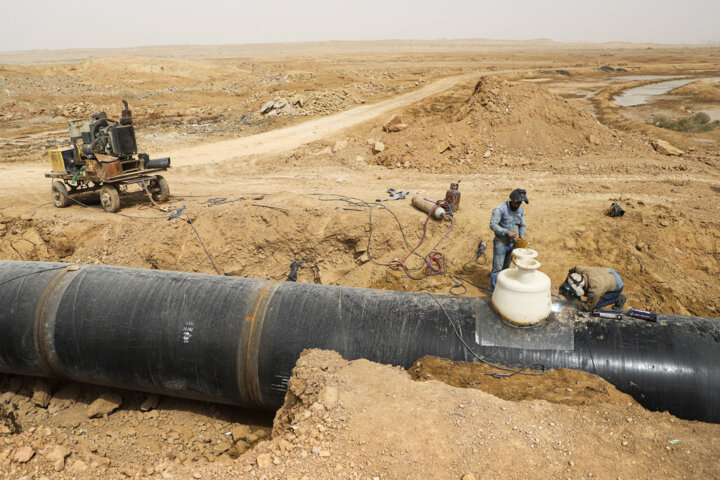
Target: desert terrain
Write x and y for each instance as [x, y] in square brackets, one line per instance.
[299, 181]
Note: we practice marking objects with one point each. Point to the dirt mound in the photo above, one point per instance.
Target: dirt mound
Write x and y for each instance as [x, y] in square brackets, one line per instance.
[363, 420]
[352, 420]
[707, 90]
[245, 236]
[499, 122]
[564, 386]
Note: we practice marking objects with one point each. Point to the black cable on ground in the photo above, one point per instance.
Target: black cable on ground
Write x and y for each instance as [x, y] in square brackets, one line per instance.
[36, 208]
[460, 283]
[174, 213]
[189, 221]
[177, 213]
[116, 213]
[357, 202]
[520, 371]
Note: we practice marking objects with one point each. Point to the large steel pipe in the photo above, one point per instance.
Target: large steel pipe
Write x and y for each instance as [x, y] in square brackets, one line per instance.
[236, 340]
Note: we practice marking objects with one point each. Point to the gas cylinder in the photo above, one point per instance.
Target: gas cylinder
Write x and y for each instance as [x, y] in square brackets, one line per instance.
[428, 206]
[452, 196]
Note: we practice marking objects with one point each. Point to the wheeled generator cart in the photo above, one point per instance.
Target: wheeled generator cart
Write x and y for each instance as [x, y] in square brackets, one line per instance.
[102, 156]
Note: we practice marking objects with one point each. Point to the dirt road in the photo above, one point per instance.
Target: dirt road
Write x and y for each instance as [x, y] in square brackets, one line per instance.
[250, 147]
[286, 139]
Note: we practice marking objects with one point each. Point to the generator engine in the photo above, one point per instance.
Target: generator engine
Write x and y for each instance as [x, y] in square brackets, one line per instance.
[109, 137]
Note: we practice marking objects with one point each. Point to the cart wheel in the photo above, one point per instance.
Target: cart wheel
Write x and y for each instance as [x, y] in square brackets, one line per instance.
[110, 198]
[160, 190]
[60, 194]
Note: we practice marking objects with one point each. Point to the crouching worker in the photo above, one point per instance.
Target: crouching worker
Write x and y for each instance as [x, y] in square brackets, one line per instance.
[601, 286]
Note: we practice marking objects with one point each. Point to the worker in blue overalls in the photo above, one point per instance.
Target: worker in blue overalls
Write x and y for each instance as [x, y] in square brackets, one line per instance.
[508, 224]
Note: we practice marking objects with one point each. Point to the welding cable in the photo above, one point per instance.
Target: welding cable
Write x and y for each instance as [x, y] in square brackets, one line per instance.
[197, 234]
[519, 371]
[33, 273]
[460, 283]
[434, 260]
[362, 204]
[114, 213]
[174, 213]
[36, 208]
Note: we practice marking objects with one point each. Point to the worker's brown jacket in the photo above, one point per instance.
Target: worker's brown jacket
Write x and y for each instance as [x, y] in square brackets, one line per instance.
[598, 281]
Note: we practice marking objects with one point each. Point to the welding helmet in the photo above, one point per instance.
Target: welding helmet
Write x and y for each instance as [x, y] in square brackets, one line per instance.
[566, 291]
[577, 283]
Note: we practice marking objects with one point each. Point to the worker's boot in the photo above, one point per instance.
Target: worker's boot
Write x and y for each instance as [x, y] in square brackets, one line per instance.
[620, 303]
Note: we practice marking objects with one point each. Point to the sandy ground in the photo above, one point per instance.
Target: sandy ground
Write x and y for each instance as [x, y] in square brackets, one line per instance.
[265, 190]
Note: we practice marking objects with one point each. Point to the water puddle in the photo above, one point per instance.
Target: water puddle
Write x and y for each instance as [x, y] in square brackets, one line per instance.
[633, 78]
[703, 140]
[641, 95]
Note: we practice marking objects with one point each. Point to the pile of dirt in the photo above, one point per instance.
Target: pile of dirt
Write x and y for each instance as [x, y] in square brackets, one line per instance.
[354, 420]
[528, 115]
[359, 419]
[24, 239]
[500, 122]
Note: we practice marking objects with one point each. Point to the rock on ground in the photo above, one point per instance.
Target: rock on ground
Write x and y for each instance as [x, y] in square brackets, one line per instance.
[56, 455]
[150, 403]
[107, 403]
[661, 146]
[394, 124]
[24, 454]
[41, 393]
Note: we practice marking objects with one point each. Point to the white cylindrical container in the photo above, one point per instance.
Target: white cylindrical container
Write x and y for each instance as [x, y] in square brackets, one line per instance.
[427, 205]
[522, 294]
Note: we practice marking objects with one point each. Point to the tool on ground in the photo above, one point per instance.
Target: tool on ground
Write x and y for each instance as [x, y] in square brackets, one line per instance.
[394, 195]
[102, 157]
[294, 267]
[607, 314]
[478, 259]
[642, 315]
[452, 196]
[480, 251]
[615, 211]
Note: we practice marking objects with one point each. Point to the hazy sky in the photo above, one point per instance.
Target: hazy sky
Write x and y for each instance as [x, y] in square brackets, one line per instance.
[58, 24]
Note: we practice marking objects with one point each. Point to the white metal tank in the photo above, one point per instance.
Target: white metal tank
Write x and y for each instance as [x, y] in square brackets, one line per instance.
[522, 294]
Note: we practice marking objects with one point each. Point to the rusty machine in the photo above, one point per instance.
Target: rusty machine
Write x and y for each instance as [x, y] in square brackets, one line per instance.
[103, 156]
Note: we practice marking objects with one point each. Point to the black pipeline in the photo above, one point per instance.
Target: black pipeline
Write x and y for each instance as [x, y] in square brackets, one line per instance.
[236, 340]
